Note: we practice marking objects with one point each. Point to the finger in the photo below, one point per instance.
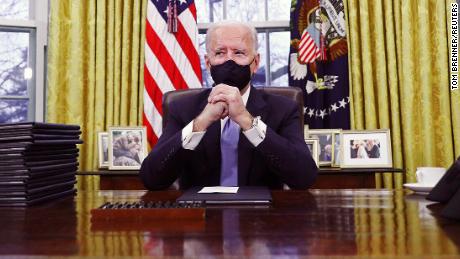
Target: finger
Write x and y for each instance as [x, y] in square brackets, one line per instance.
[219, 98]
[223, 105]
[230, 99]
[224, 114]
[221, 109]
[213, 93]
[223, 86]
[218, 89]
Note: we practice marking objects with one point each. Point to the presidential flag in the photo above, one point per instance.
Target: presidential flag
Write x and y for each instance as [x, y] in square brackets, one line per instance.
[318, 61]
[171, 57]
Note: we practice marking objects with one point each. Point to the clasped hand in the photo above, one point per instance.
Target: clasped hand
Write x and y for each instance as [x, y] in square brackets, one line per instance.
[223, 101]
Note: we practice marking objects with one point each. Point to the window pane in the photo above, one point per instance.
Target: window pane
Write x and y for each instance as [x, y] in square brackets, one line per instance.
[207, 80]
[14, 9]
[203, 12]
[14, 47]
[279, 52]
[244, 10]
[279, 10]
[259, 78]
[13, 110]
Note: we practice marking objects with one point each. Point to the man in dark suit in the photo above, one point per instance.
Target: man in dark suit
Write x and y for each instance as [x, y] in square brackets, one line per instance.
[197, 145]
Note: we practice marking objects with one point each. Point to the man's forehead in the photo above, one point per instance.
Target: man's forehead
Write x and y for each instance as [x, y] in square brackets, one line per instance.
[231, 35]
[223, 44]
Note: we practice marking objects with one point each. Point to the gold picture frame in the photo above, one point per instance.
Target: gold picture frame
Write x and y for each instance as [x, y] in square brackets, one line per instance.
[337, 149]
[103, 149]
[313, 146]
[326, 144]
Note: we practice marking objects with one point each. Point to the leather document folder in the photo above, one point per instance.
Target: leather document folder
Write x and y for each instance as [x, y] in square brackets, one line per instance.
[452, 208]
[37, 125]
[246, 195]
[448, 185]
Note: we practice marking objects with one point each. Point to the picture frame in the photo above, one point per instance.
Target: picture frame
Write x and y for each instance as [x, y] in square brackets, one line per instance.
[305, 131]
[103, 149]
[313, 146]
[127, 148]
[326, 147]
[366, 149]
[337, 149]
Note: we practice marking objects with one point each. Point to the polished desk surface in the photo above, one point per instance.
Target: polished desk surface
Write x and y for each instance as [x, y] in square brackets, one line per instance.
[361, 223]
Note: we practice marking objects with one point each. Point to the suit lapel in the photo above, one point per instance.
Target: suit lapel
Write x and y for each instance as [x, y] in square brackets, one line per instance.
[256, 107]
[256, 104]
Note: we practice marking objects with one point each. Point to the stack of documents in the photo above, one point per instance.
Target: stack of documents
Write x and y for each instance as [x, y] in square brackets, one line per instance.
[38, 162]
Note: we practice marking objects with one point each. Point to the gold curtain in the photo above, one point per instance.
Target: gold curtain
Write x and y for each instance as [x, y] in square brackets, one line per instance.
[399, 79]
[95, 69]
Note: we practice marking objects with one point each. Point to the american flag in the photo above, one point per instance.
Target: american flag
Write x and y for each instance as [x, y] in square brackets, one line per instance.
[171, 57]
[308, 49]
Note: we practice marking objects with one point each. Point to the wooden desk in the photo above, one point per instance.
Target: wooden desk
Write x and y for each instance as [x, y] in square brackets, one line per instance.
[354, 223]
[328, 178]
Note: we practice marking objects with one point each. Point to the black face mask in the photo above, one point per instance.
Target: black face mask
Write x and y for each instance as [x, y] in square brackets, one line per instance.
[232, 74]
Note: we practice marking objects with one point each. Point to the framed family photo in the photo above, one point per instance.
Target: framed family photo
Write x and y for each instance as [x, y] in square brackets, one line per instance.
[326, 144]
[313, 145]
[103, 149]
[366, 149]
[128, 147]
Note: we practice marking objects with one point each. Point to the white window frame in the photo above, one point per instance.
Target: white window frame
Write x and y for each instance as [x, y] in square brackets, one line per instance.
[38, 28]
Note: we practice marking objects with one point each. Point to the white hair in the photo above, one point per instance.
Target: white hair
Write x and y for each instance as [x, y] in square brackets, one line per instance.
[214, 26]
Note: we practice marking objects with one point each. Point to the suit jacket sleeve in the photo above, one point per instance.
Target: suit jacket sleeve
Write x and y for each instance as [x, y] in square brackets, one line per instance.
[287, 154]
[159, 169]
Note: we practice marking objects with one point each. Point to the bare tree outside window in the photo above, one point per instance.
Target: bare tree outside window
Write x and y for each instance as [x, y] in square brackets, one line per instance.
[14, 56]
[13, 110]
[279, 49]
[13, 61]
[209, 10]
[260, 78]
[279, 10]
[14, 9]
[243, 10]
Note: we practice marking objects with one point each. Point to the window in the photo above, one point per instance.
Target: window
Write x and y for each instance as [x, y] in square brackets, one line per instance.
[271, 19]
[14, 9]
[22, 59]
[14, 67]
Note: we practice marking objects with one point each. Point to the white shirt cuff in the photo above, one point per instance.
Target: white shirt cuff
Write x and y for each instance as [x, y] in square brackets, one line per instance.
[190, 139]
[256, 134]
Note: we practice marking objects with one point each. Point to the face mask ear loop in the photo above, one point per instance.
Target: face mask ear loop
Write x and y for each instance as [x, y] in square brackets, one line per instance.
[250, 69]
[252, 61]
